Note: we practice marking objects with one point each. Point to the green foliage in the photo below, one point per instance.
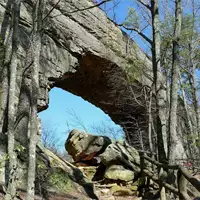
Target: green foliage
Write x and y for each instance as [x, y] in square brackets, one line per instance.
[166, 30]
[3, 160]
[194, 140]
[41, 164]
[60, 180]
[189, 48]
[19, 148]
[132, 19]
[189, 29]
[134, 70]
[186, 87]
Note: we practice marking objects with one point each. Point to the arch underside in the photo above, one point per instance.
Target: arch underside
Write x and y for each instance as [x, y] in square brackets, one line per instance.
[104, 84]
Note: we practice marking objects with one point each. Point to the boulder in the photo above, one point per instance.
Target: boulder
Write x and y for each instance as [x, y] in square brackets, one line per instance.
[120, 153]
[118, 172]
[83, 146]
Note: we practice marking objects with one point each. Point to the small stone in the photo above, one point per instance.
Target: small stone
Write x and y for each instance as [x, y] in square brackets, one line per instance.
[133, 187]
[105, 191]
[107, 197]
[121, 191]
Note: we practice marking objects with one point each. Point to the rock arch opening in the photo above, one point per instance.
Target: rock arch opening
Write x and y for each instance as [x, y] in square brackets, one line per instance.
[67, 112]
[104, 84]
[90, 60]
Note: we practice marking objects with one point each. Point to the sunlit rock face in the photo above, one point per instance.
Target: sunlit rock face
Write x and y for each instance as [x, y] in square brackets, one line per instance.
[84, 147]
[84, 53]
[114, 160]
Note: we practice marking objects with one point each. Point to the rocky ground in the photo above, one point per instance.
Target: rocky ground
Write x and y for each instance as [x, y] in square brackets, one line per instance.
[101, 169]
[113, 167]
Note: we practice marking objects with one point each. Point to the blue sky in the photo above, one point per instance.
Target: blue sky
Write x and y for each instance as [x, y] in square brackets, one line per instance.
[120, 12]
[63, 102]
[58, 118]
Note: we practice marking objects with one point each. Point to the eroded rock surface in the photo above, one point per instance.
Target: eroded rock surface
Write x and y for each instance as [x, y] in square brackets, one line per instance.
[118, 172]
[117, 160]
[121, 153]
[84, 147]
[56, 179]
[86, 59]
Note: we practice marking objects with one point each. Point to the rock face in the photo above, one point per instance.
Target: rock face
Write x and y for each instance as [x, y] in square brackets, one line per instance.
[121, 160]
[86, 59]
[123, 154]
[84, 147]
[117, 161]
[55, 178]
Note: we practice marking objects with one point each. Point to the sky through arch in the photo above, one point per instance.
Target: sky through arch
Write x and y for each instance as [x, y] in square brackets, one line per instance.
[65, 108]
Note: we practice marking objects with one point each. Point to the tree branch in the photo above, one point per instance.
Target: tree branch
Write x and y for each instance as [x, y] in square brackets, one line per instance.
[144, 4]
[77, 10]
[90, 7]
[51, 10]
[138, 32]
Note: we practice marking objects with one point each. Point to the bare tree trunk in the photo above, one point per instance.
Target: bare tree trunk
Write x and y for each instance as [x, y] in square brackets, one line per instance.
[11, 188]
[186, 106]
[195, 99]
[173, 138]
[151, 147]
[6, 52]
[33, 121]
[159, 84]
[192, 67]
[192, 150]
[3, 99]
[4, 84]
[139, 135]
[158, 78]
[35, 48]
[195, 95]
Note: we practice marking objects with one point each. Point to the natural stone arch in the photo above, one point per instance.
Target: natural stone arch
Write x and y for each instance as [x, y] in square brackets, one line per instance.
[103, 84]
[87, 59]
[91, 61]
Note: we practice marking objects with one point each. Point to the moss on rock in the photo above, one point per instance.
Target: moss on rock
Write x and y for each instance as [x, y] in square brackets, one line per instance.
[60, 180]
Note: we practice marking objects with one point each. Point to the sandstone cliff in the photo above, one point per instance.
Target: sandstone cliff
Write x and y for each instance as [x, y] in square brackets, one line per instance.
[86, 54]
